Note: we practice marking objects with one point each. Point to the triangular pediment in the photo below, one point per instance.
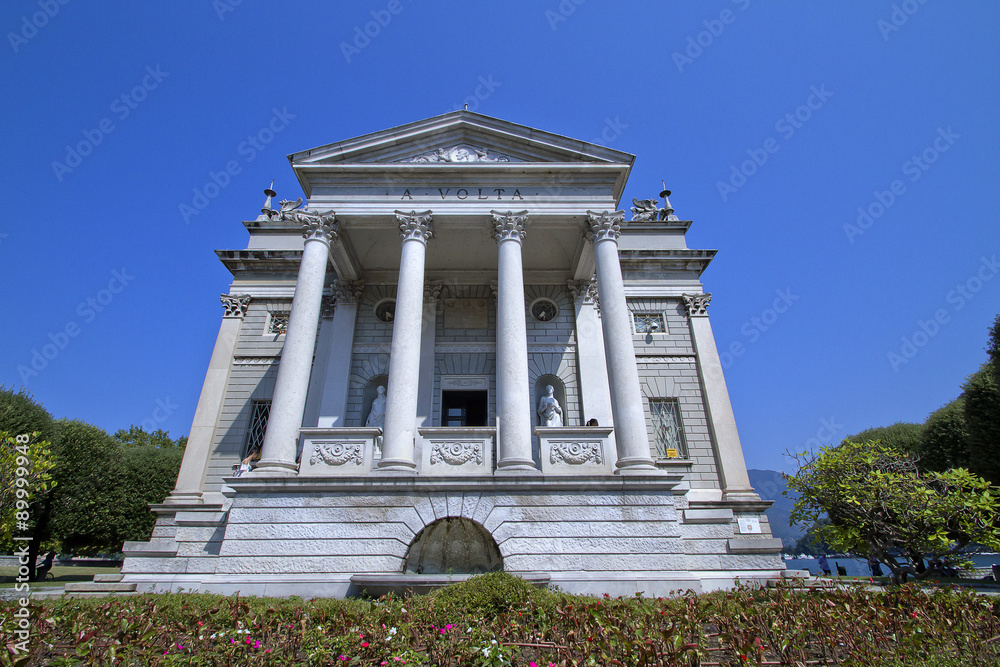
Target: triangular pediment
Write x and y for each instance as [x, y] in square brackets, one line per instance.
[460, 137]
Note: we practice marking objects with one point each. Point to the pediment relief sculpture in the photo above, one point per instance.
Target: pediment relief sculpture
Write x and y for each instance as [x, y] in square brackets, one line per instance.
[460, 153]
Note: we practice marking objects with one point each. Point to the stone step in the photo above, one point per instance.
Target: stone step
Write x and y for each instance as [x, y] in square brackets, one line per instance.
[108, 578]
[98, 587]
[99, 594]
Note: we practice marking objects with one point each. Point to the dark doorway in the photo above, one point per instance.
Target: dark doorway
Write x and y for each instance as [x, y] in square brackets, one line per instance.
[463, 408]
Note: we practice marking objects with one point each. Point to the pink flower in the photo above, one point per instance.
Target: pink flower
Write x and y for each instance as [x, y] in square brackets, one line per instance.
[340, 657]
[364, 644]
[166, 652]
[267, 650]
[232, 641]
[256, 644]
[533, 664]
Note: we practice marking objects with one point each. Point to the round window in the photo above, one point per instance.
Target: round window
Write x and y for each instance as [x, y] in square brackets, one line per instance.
[544, 310]
[385, 310]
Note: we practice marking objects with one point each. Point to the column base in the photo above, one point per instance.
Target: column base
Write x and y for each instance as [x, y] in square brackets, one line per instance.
[274, 468]
[637, 466]
[741, 495]
[396, 467]
[516, 467]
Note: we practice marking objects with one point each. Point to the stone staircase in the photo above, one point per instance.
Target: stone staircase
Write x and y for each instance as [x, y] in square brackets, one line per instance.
[103, 584]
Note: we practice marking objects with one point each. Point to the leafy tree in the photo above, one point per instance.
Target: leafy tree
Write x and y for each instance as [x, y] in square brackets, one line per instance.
[982, 418]
[85, 511]
[811, 543]
[880, 507]
[944, 444]
[136, 436]
[148, 475]
[903, 436]
[25, 465]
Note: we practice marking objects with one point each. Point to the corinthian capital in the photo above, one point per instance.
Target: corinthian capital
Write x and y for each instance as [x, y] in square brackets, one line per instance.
[509, 226]
[347, 291]
[697, 304]
[321, 228]
[604, 226]
[415, 225]
[584, 291]
[235, 304]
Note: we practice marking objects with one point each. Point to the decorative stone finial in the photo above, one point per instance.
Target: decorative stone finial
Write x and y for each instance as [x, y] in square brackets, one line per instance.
[509, 226]
[268, 213]
[668, 212]
[415, 225]
[697, 304]
[235, 304]
[604, 226]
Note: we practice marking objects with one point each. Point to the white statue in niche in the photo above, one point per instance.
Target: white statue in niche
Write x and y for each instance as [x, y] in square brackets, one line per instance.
[376, 417]
[549, 410]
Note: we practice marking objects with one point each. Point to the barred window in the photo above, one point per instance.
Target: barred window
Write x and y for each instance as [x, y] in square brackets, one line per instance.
[649, 323]
[277, 323]
[259, 411]
[667, 429]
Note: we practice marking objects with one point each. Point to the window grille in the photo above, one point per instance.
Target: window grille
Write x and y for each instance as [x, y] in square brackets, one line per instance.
[259, 411]
[278, 323]
[667, 431]
[649, 323]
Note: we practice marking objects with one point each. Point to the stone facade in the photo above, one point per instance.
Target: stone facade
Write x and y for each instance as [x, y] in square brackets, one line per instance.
[389, 347]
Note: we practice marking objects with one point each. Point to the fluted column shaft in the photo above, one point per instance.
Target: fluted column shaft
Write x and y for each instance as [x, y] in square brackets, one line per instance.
[400, 428]
[513, 399]
[631, 438]
[292, 384]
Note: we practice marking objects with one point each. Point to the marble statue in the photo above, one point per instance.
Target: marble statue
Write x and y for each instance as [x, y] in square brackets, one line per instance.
[376, 417]
[548, 408]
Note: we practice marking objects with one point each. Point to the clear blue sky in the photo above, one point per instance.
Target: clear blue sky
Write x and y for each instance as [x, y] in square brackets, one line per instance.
[692, 89]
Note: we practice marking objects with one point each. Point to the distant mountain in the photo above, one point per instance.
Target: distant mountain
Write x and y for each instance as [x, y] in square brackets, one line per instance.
[769, 485]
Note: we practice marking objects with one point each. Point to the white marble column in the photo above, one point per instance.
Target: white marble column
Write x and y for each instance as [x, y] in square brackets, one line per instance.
[592, 366]
[721, 420]
[191, 477]
[513, 399]
[328, 391]
[400, 430]
[291, 386]
[623, 374]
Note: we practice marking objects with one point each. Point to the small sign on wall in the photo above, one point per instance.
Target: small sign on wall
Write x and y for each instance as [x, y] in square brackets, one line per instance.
[748, 524]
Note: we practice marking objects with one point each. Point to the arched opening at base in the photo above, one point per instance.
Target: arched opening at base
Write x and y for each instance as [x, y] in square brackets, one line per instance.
[453, 545]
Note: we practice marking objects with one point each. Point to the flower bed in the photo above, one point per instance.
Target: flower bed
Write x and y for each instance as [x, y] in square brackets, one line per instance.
[500, 620]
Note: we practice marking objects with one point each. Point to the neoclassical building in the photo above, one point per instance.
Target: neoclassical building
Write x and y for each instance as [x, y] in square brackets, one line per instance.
[458, 356]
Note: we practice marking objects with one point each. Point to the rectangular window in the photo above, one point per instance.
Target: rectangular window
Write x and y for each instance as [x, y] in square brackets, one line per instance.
[667, 429]
[649, 323]
[259, 411]
[277, 323]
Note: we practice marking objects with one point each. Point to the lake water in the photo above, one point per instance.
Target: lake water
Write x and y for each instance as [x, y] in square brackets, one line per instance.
[859, 568]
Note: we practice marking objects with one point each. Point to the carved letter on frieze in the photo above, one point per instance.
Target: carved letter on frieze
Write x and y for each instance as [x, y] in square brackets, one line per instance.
[575, 453]
[457, 453]
[509, 225]
[604, 226]
[337, 454]
[415, 225]
[697, 304]
[235, 304]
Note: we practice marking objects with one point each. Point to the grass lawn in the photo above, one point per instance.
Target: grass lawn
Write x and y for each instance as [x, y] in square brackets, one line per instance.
[60, 575]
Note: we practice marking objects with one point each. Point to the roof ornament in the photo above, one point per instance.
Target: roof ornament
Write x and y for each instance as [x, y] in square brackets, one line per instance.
[268, 213]
[648, 210]
[460, 154]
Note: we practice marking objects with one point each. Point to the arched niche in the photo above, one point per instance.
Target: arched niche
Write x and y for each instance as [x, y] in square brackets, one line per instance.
[369, 394]
[541, 383]
[453, 545]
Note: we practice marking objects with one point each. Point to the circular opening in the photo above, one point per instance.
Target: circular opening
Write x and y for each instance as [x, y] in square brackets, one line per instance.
[385, 310]
[453, 545]
[544, 310]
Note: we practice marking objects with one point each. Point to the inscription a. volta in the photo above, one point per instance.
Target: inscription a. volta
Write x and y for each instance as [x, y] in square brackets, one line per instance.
[495, 194]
